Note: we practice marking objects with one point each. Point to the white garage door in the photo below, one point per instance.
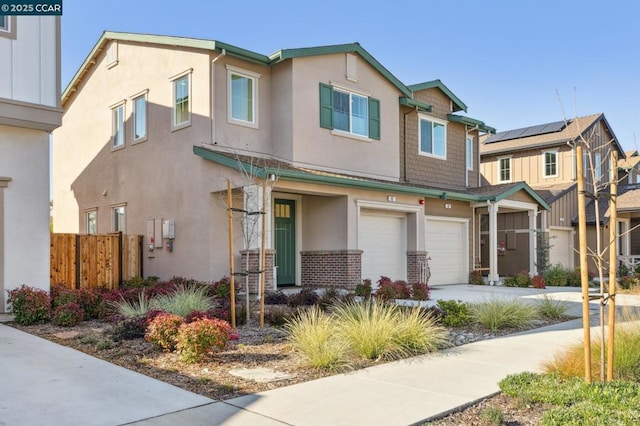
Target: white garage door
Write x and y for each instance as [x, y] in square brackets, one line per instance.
[446, 242]
[561, 247]
[381, 237]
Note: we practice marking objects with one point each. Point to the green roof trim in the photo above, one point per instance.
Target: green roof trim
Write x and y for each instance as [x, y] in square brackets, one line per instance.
[281, 55]
[439, 85]
[471, 122]
[415, 104]
[302, 176]
[522, 186]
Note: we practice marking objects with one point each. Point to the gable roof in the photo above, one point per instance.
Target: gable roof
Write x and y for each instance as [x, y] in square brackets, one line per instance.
[568, 133]
[230, 50]
[631, 160]
[461, 106]
[262, 168]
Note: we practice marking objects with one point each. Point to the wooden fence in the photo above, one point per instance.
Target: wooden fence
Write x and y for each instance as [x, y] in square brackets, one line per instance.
[92, 261]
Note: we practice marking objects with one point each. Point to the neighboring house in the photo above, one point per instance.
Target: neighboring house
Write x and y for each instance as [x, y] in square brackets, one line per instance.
[544, 156]
[365, 174]
[29, 111]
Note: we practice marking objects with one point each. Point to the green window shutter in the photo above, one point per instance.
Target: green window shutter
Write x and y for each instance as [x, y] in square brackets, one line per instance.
[374, 118]
[326, 106]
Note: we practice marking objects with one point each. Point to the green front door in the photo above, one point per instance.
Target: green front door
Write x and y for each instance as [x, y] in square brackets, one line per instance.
[284, 213]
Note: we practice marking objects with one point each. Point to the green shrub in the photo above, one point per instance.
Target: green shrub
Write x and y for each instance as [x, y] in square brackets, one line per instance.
[162, 331]
[67, 315]
[509, 282]
[221, 289]
[91, 301]
[551, 308]
[314, 334]
[627, 282]
[420, 291]
[491, 416]
[494, 313]
[196, 339]
[456, 313]
[475, 278]
[556, 276]
[184, 300]
[574, 279]
[139, 282]
[29, 305]
[523, 279]
[305, 297]
[364, 289]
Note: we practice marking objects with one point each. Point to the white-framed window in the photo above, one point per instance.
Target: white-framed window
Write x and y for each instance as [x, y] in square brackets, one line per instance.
[242, 96]
[469, 151]
[597, 159]
[350, 112]
[118, 218]
[181, 116]
[91, 221]
[550, 164]
[5, 25]
[140, 118]
[8, 26]
[432, 134]
[117, 126]
[504, 169]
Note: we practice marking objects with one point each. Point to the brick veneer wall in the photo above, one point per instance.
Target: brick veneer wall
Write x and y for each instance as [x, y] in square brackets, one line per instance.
[413, 265]
[338, 268]
[254, 265]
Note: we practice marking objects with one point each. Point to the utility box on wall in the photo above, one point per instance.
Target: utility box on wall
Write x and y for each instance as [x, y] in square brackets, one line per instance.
[168, 229]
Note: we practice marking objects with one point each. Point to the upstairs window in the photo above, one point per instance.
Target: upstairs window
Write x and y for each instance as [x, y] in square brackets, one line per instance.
[349, 112]
[242, 96]
[117, 118]
[140, 118]
[469, 152]
[118, 223]
[504, 169]
[92, 222]
[181, 101]
[433, 137]
[550, 167]
[598, 166]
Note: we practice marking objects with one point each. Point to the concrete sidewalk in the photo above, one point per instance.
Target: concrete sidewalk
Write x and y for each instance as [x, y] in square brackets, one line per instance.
[47, 384]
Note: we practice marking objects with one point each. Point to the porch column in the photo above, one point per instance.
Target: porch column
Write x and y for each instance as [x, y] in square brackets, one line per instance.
[493, 244]
[533, 242]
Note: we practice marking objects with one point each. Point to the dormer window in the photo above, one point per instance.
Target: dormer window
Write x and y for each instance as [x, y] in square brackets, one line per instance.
[432, 134]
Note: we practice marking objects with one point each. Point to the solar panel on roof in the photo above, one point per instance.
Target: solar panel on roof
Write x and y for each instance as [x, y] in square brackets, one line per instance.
[540, 129]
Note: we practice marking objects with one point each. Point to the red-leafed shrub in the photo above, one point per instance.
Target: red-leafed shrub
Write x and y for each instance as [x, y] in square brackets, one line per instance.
[389, 290]
[163, 330]
[196, 339]
[419, 291]
[67, 315]
[538, 282]
[30, 305]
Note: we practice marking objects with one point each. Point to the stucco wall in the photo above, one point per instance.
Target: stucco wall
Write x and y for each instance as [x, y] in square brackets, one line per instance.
[25, 159]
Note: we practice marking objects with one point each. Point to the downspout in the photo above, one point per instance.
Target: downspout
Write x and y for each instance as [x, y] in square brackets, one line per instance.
[404, 143]
[212, 104]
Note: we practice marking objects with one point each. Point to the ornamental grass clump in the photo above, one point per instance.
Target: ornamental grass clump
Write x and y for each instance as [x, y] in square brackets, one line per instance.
[132, 309]
[314, 334]
[162, 331]
[418, 332]
[197, 339]
[184, 300]
[494, 313]
[551, 308]
[29, 305]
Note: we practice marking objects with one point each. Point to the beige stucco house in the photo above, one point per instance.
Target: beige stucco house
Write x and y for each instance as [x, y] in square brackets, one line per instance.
[364, 174]
[29, 111]
[544, 156]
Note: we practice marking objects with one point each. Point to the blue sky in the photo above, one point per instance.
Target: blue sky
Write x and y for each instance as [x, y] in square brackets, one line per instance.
[514, 63]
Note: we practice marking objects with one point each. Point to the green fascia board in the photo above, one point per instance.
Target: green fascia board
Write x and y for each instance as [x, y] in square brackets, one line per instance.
[284, 54]
[516, 188]
[471, 122]
[415, 104]
[186, 42]
[439, 85]
[300, 176]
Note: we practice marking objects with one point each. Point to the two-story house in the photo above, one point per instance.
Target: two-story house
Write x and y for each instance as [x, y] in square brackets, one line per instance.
[544, 156]
[364, 174]
[29, 111]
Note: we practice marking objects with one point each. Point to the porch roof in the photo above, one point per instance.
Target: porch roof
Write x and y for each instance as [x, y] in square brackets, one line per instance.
[261, 168]
[628, 200]
[551, 193]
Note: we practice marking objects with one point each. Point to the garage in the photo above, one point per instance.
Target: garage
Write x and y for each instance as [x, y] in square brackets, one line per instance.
[561, 247]
[382, 239]
[447, 244]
